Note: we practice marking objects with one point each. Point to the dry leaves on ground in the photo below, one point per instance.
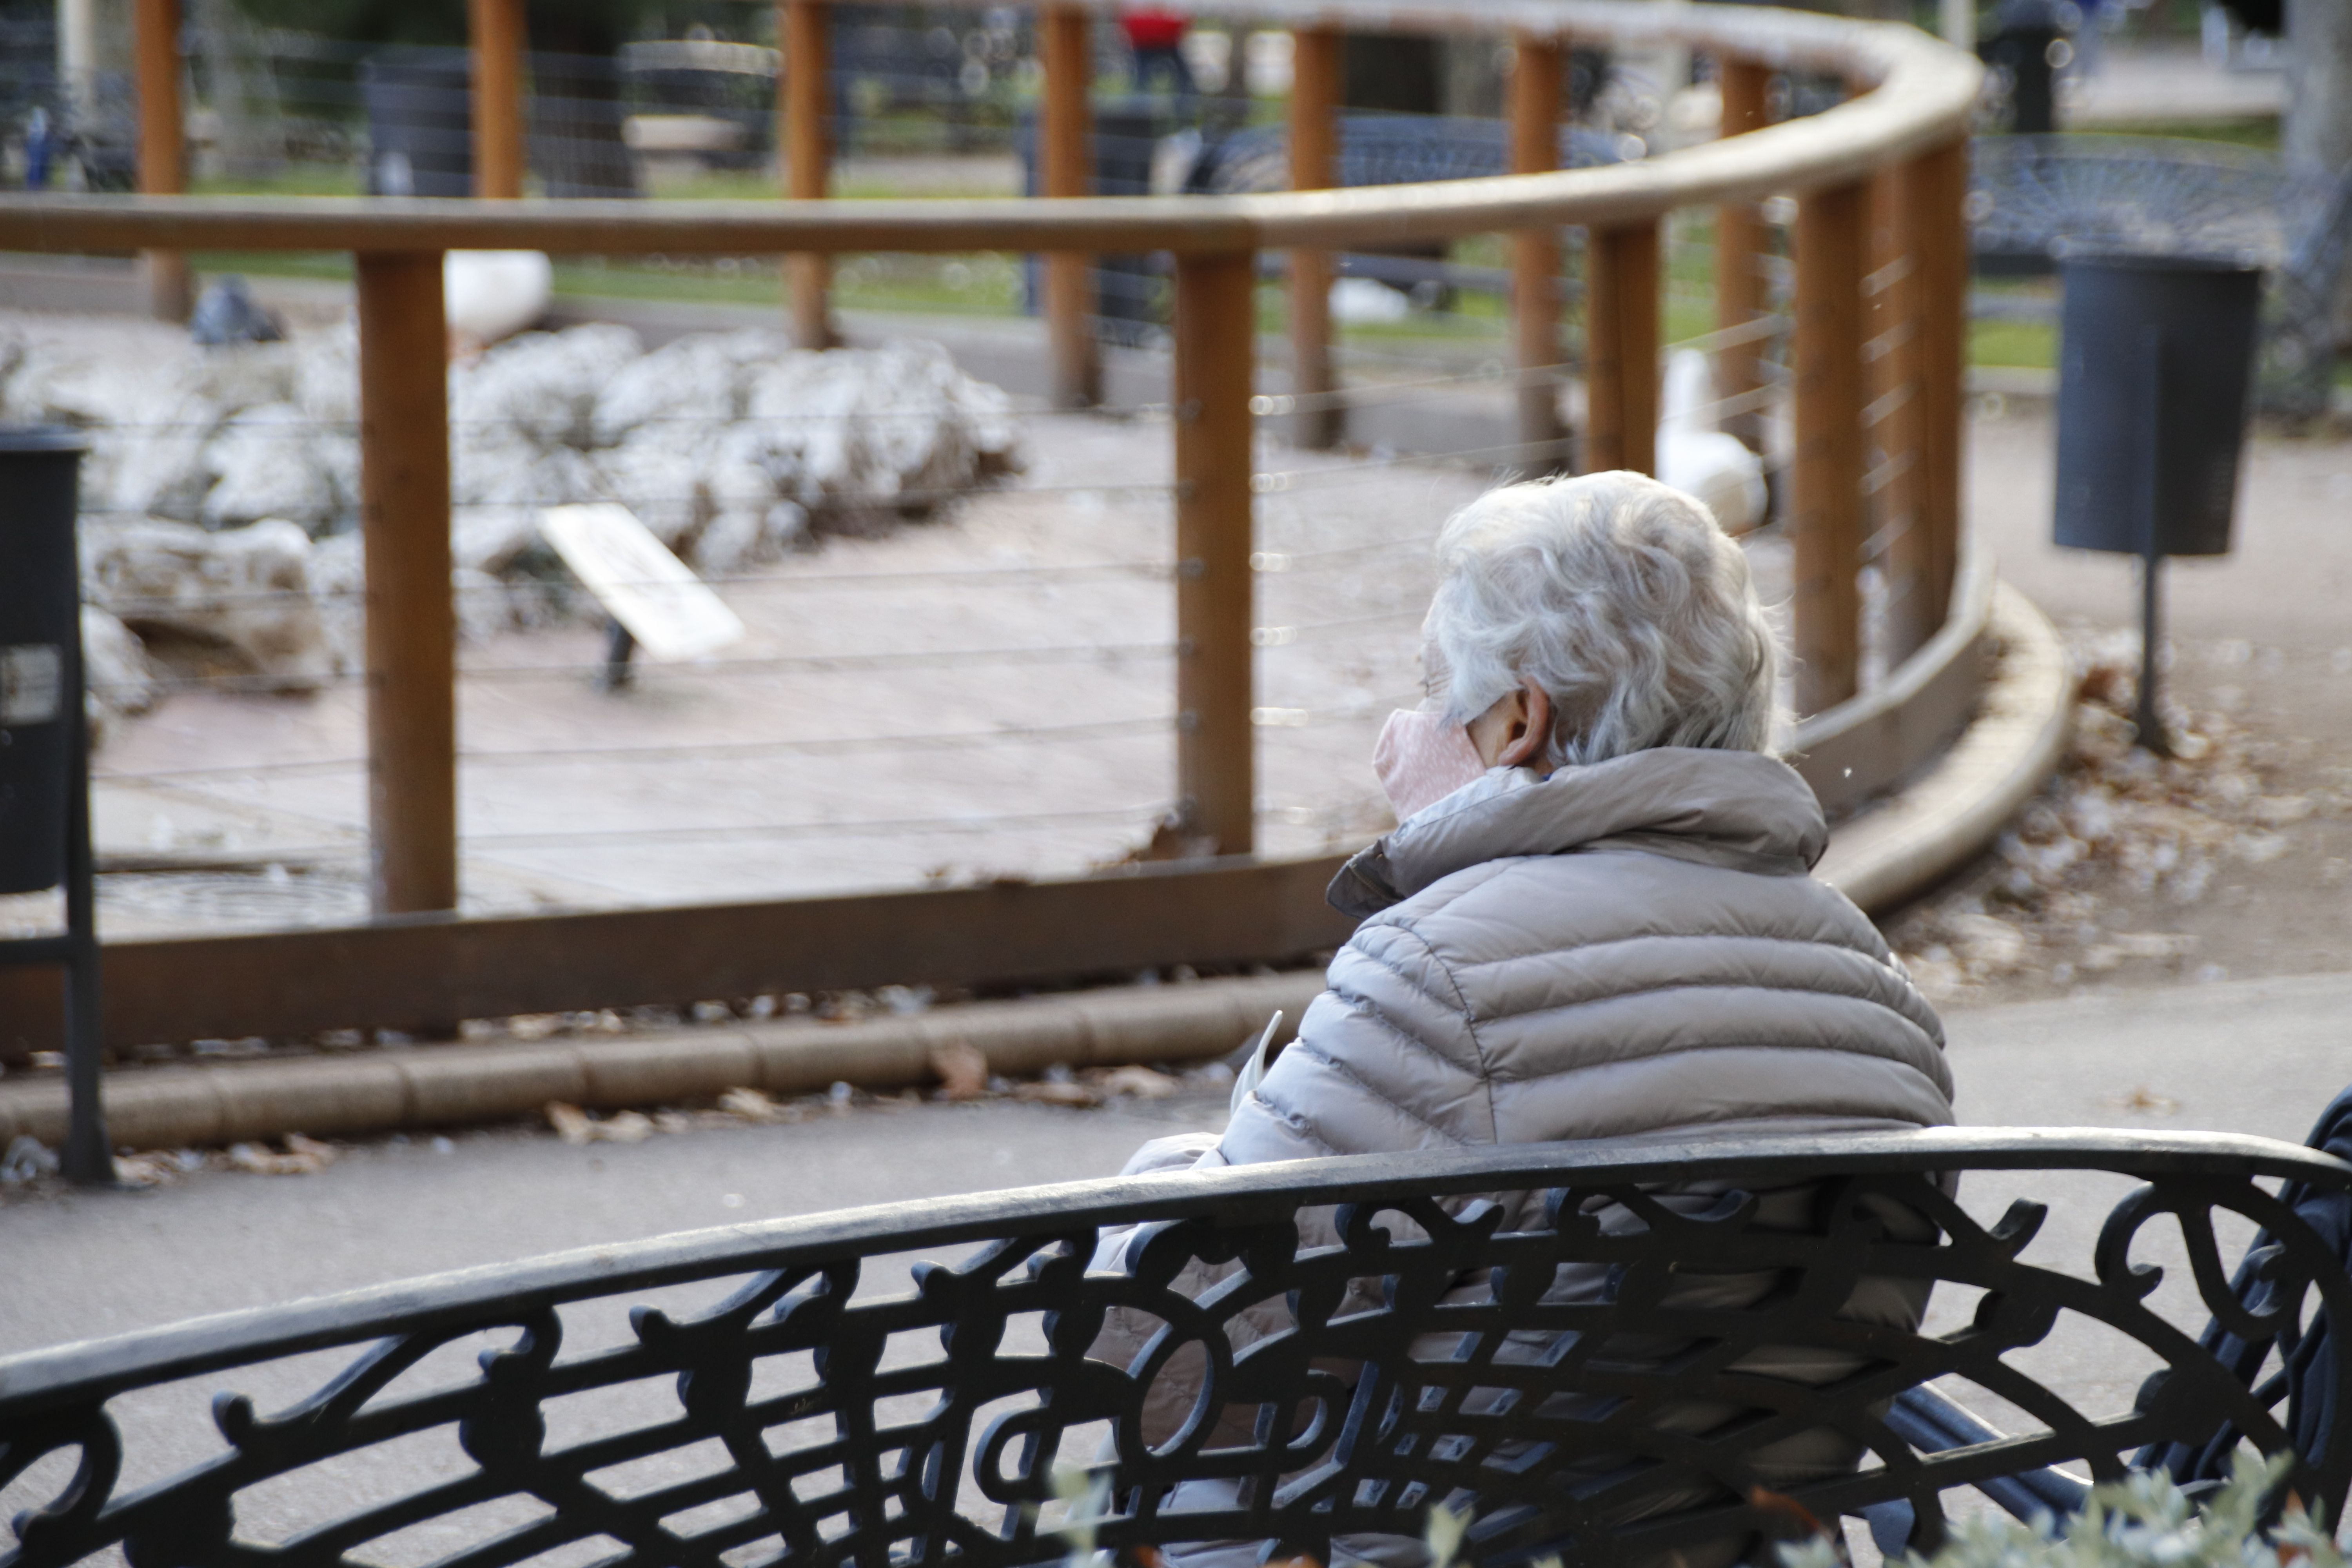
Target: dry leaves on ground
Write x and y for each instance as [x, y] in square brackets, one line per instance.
[2117, 821]
[302, 1157]
[1053, 1091]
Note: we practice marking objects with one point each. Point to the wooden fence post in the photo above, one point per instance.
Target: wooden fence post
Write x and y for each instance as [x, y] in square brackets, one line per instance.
[1065, 168]
[1314, 90]
[411, 631]
[1740, 296]
[1621, 348]
[1534, 255]
[162, 146]
[1935, 221]
[497, 29]
[1215, 335]
[1890, 345]
[1826, 522]
[804, 147]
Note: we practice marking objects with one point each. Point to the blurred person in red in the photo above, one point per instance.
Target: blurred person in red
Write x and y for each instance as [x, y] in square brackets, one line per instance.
[1157, 37]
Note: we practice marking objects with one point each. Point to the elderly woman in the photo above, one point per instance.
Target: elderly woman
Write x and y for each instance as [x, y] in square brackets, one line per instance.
[1594, 918]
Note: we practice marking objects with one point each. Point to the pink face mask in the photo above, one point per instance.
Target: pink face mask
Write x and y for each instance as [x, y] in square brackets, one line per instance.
[1421, 759]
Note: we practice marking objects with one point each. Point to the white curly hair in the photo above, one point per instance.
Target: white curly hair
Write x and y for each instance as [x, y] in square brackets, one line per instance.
[1621, 599]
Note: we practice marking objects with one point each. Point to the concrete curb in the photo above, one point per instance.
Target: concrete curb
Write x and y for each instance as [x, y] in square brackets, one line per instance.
[444, 1086]
[1958, 804]
[1880, 859]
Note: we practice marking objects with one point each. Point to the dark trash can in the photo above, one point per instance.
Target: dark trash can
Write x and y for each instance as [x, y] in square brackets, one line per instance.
[1130, 290]
[40, 653]
[2156, 381]
[420, 114]
[2021, 46]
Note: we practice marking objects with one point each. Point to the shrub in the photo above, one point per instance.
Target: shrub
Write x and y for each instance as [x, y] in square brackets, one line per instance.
[2144, 1522]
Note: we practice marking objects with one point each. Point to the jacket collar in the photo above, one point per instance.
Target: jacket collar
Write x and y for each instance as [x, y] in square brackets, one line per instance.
[1740, 810]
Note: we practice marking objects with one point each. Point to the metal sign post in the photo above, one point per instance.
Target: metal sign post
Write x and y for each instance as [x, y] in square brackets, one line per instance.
[44, 755]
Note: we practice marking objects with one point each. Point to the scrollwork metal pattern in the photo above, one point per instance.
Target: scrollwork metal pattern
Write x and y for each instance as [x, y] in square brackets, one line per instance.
[1428, 1355]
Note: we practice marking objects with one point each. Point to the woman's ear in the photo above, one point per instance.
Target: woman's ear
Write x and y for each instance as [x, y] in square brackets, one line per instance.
[1530, 733]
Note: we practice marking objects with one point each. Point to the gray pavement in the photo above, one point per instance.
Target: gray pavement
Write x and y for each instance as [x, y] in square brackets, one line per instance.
[2257, 1057]
[2254, 1057]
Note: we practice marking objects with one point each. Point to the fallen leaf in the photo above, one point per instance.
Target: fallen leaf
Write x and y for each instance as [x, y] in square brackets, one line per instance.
[264, 1161]
[311, 1149]
[1140, 1081]
[144, 1170]
[571, 1123]
[753, 1106]
[624, 1126]
[963, 1070]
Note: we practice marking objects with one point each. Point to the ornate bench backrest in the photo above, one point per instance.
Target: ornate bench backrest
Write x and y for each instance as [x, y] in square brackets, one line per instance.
[1580, 1387]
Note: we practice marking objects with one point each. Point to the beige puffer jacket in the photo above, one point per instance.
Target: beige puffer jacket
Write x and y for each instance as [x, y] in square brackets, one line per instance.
[1631, 947]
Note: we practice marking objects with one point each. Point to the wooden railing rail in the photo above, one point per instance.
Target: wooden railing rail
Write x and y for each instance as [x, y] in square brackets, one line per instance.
[1877, 349]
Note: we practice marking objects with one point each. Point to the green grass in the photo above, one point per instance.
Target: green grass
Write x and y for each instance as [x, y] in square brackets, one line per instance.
[294, 180]
[2261, 131]
[989, 285]
[2027, 344]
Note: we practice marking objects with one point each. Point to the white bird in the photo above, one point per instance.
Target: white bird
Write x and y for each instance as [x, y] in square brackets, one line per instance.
[1699, 459]
[492, 294]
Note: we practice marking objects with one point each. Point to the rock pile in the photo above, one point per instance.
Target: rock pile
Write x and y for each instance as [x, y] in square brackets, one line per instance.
[222, 490]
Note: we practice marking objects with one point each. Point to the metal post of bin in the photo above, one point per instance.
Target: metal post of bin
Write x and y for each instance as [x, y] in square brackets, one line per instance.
[45, 758]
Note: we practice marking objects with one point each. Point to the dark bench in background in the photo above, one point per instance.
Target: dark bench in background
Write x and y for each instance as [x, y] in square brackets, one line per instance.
[782, 1383]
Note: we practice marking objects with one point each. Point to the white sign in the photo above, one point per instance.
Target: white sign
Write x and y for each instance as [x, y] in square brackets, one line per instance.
[671, 611]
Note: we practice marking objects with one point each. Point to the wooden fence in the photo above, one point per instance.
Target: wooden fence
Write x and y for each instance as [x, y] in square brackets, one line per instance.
[1876, 348]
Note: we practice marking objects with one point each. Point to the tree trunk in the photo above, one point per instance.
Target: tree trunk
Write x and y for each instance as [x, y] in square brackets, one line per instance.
[2317, 134]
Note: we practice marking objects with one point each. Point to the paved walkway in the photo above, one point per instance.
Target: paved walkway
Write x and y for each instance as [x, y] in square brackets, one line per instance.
[2258, 1057]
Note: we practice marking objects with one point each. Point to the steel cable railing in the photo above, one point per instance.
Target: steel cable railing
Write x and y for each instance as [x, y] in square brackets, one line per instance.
[940, 629]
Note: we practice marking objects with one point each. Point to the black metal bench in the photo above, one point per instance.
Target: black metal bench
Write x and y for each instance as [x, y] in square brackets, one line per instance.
[780, 1393]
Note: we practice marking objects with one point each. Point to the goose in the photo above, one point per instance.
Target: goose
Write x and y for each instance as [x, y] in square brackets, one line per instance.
[1699, 459]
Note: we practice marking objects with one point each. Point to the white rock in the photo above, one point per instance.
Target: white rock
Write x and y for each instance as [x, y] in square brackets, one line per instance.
[490, 538]
[270, 463]
[742, 536]
[246, 375]
[247, 589]
[482, 605]
[661, 472]
[496, 491]
[119, 679]
[542, 386]
[701, 378]
[338, 588]
[877, 429]
[327, 375]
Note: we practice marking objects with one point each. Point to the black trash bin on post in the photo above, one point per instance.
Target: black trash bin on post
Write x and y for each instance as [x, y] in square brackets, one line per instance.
[45, 750]
[2154, 386]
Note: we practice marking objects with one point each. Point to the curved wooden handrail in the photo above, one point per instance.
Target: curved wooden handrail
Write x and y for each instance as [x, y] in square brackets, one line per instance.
[1922, 94]
[1877, 255]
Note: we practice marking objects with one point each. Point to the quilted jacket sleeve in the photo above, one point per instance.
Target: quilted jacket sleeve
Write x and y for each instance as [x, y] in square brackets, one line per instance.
[1386, 1060]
